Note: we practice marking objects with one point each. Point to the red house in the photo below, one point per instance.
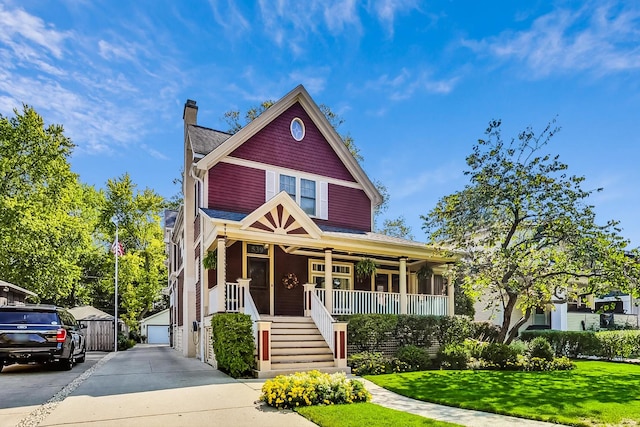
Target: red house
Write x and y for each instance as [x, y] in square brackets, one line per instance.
[284, 214]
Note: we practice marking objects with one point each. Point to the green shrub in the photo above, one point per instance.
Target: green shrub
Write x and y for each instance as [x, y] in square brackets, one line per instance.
[312, 388]
[500, 355]
[520, 347]
[474, 347]
[416, 330]
[540, 364]
[367, 331]
[484, 331]
[453, 330]
[623, 343]
[368, 363]
[124, 342]
[540, 348]
[453, 356]
[416, 358]
[233, 343]
[567, 343]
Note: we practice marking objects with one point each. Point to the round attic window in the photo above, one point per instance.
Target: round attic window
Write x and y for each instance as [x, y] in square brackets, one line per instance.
[297, 129]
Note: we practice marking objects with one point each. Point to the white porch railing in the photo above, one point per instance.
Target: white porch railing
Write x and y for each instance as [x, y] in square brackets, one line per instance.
[251, 310]
[367, 302]
[436, 305]
[233, 298]
[323, 320]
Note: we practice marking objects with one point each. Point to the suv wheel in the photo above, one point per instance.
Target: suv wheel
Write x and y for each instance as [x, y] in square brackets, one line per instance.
[66, 364]
[82, 357]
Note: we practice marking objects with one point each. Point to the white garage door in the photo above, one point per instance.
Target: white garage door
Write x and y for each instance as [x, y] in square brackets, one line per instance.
[158, 334]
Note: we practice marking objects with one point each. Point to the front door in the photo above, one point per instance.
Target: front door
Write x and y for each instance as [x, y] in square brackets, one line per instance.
[258, 269]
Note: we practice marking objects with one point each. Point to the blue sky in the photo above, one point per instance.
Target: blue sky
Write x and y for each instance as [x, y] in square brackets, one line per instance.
[416, 82]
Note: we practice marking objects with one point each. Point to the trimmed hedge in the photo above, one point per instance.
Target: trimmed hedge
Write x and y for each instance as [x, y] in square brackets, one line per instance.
[607, 344]
[567, 343]
[233, 343]
[369, 332]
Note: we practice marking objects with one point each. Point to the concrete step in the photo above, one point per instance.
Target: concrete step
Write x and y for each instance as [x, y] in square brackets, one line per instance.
[287, 319]
[302, 366]
[302, 358]
[296, 337]
[299, 344]
[293, 325]
[294, 331]
[285, 351]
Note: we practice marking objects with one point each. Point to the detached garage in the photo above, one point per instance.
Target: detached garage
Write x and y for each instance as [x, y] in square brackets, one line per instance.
[156, 327]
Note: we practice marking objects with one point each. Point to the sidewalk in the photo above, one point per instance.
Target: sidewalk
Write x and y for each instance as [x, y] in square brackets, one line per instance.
[155, 386]
[466, 417]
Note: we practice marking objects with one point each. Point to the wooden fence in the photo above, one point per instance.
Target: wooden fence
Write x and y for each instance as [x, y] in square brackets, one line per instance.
[99, 334]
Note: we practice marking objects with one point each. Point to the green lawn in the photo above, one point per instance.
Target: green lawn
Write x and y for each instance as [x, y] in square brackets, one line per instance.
[365, 414]
[594, 393]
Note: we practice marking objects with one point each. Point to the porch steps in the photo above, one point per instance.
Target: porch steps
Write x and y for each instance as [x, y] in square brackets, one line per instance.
[296, 346]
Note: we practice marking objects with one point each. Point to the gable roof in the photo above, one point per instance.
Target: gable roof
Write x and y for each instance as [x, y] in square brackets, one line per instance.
[16, 288]
[204, 140]
[301, 96]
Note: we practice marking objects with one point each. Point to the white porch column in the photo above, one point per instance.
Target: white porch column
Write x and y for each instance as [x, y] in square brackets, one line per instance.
[328, 280]
[403, 285]
[221, 275]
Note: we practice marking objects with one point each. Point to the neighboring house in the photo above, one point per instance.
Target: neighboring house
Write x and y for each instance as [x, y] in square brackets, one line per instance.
[156, 327]
[99, 332]
[286, 213]
[13, 294]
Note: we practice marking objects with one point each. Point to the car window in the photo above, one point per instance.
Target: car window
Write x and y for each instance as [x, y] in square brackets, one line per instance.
[29, 317]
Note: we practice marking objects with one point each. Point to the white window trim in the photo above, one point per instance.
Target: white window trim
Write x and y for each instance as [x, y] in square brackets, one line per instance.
[336, 275]
[272, 187]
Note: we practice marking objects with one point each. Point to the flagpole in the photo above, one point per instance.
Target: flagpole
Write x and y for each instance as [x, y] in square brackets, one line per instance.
[115, 323]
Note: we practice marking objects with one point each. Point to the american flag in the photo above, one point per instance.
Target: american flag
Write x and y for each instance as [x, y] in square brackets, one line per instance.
[117, 248]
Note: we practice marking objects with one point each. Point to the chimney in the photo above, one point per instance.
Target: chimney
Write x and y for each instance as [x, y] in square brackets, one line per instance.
[190, 113]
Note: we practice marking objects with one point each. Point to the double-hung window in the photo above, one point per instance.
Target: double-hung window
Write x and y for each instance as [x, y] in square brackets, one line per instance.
[310, 195]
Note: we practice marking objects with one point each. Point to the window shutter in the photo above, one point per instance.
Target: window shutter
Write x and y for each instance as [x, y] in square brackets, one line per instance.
[323, 200]
[270, 190]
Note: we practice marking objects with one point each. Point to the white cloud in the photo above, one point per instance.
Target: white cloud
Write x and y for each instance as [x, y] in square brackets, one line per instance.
[426, 181]
[387, 10]
[227, 16]
[601, 38]
[406, 83]
[30, 28]
[111, 51]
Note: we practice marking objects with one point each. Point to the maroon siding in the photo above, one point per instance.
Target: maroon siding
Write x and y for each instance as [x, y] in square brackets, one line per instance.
[274, 145]
[234, 262]
[236, 188]
[348, 208]
[289, 302]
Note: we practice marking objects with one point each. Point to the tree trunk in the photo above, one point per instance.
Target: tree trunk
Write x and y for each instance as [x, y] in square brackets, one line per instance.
[506, 316]
[513, 333]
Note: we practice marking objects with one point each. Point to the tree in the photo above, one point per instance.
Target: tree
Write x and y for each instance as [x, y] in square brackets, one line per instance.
[42, 232]
[142, 272]
[528, 236]
[397, 228]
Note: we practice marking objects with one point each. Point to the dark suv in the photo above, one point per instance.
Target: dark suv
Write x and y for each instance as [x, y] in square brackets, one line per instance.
[40, 333]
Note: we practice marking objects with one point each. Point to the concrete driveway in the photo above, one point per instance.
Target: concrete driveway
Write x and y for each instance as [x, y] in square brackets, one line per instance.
[23, 388]
[151, 385]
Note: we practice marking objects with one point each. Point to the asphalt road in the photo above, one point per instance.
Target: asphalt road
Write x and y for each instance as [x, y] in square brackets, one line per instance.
[24, 387]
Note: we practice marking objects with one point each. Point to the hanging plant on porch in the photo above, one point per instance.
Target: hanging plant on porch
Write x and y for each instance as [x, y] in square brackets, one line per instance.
[290, 281]
[365, 268]
[425, 272]
[210, 260]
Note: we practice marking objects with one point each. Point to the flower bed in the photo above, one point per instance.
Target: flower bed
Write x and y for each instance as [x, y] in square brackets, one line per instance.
[312, 388]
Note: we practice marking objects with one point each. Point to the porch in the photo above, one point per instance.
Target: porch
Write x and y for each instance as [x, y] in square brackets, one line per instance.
[316, 340]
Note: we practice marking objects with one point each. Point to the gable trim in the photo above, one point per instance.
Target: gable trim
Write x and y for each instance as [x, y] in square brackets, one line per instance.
[263, 219]
[299, 94]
